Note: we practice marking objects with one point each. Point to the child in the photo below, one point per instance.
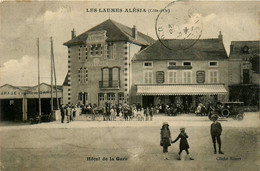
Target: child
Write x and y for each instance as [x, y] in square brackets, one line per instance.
[112, 114]
[183, 143]
[142, 114]
[138, 115]
[165, 139]
[215, 131]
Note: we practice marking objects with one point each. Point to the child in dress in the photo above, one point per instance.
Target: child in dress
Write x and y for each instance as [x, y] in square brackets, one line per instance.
[165, 139]
[142, 114]
[112, 114]
[183, 143]
[139, 115]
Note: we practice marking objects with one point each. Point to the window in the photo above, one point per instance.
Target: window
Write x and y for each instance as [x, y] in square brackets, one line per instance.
[213, 76]
[186, 77]
[172, 77]
[186, 63]
[213, 63]
[111, 96]
[83, 75]
[96, 50]
[101, 97]
[148, 77]
[121, 96]
[172, 63]
[111, 50]
[148, 64]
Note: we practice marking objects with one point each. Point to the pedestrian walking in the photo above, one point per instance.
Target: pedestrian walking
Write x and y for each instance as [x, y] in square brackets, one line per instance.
[215, 131]
[183, 143]
[165, 139]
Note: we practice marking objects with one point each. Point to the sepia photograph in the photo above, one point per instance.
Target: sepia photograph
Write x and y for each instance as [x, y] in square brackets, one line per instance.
[129, 85]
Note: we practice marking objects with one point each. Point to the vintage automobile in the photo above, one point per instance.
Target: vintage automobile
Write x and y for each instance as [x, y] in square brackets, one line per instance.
[233, 110]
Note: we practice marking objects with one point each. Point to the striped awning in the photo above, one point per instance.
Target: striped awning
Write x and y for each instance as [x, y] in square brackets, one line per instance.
[186, 89]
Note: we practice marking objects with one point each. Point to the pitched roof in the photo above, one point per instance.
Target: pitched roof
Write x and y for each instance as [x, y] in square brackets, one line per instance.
[66, 81]
[203, 49]
[115, 32]
[237, 47]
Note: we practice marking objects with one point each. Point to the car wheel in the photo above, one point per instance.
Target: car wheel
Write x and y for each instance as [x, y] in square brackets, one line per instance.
[209, 116]
[225, 112]
[240, 117]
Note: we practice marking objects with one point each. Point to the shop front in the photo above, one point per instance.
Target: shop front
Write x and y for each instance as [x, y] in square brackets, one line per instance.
[187, 96]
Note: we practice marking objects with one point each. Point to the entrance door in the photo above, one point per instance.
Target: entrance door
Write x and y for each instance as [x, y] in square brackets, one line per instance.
[147, 101]
[187, 103]
[11, 110]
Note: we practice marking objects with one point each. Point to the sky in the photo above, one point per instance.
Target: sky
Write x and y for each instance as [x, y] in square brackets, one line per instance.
[21, 23]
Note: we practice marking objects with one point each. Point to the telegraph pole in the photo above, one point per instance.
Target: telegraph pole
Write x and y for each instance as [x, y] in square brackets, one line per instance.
[39, 89]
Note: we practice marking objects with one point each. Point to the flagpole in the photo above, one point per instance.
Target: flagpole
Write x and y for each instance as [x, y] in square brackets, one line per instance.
[55, 81]
[39, 89]
[51, 77]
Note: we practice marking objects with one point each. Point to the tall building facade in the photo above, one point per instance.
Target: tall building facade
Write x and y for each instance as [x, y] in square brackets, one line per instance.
[244, 75]
[99, 63]
[188, 77]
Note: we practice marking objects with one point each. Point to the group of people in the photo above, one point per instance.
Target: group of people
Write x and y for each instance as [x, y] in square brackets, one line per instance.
[127, 112]
[166, 140]
[68, 111]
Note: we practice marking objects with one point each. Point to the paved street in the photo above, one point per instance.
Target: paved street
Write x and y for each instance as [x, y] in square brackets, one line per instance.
[56, 146]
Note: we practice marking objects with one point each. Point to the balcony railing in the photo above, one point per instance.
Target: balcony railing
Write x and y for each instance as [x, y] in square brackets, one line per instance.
[109, 84]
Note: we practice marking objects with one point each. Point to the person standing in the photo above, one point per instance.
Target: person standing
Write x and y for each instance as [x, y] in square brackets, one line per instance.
[147, 112]
[215, 131]
[165, 139]
[151, 113]
[62, 111]
[68, 112]
[183, 143]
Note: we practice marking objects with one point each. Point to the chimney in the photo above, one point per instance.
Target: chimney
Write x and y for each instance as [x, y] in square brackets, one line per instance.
[134, 32]
[73, 34]
[220, 36]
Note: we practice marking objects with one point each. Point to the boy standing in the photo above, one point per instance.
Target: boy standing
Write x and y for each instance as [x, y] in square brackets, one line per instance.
[215, 131]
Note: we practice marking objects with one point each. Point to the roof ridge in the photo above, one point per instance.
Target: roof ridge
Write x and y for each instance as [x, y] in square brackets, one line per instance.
[112, 21]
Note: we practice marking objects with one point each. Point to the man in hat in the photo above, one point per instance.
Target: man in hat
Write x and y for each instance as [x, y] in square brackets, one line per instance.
[215, 131]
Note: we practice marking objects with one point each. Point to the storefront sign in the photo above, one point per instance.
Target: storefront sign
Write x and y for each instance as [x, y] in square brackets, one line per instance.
[10, 93]
[200, 76]
[159, 77]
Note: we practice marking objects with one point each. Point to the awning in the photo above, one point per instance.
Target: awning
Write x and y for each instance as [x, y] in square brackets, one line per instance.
[186, 89]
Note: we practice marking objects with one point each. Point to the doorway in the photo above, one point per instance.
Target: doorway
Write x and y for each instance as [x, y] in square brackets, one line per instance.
[147, 101]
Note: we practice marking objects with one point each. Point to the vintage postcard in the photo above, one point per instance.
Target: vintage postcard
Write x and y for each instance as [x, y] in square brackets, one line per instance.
[129, 85]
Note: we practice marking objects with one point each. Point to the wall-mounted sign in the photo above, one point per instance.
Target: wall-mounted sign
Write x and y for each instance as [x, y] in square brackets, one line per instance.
[200, 76]
[159, 77]
[179, 67]
[96, 36]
